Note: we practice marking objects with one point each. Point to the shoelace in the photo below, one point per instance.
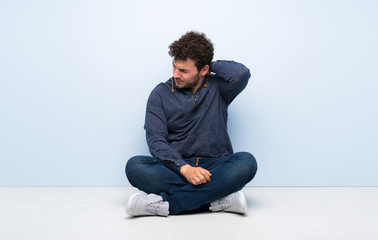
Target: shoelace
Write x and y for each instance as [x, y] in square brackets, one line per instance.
[224, 204]
[220, 205]
[153, 207]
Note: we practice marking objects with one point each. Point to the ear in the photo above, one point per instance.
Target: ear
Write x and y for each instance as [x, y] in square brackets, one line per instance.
[205, 70]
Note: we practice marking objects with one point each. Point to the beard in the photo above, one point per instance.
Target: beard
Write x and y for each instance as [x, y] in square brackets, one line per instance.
[188, 83]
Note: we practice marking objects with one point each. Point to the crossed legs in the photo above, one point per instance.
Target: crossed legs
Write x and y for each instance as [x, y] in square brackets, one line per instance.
[229, 174]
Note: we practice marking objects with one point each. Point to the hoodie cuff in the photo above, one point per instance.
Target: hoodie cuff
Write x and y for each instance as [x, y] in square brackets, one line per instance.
[175, 165]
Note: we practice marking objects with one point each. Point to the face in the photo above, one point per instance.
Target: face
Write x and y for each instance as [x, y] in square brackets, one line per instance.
[186, 74]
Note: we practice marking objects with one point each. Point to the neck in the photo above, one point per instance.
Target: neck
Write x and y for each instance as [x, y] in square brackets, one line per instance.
[198, 85]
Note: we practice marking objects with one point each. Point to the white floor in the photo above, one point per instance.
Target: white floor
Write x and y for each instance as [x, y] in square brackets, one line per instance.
[274, 213]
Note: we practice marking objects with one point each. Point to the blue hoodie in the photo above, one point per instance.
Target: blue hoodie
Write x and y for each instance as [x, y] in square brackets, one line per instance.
[180, 124]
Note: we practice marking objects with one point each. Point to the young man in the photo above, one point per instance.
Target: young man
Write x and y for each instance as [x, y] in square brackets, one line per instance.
[193, 164]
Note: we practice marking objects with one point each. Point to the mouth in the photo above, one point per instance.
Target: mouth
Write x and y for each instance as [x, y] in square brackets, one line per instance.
[178, 81]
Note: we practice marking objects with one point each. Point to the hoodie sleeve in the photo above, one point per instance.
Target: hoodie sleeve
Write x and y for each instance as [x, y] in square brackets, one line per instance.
[157, 133]
[235, 78]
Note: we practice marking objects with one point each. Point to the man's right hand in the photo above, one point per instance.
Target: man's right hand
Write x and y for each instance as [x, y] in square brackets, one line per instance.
[195, 175]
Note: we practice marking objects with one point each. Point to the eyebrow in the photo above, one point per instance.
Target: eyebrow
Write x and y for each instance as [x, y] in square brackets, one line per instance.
[181, 69]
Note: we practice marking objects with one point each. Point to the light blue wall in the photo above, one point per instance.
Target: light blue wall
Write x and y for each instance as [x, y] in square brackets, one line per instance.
[75, 77]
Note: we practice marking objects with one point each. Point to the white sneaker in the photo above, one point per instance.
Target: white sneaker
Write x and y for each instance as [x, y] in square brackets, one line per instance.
[141, 204]
[234, 202]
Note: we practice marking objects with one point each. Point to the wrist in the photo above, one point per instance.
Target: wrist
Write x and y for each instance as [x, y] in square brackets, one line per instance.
[184, 169]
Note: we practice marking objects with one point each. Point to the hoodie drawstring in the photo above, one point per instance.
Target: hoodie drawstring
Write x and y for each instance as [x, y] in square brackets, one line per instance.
[198, 158]
[173, 85]
[207, 80]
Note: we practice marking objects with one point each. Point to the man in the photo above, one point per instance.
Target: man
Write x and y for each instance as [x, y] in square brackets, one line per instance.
[193, 165]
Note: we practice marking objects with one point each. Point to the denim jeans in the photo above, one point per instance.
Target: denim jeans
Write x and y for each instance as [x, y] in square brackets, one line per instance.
[230, 173]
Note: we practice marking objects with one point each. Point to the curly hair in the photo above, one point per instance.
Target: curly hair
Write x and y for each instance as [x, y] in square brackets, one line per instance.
[193, 45]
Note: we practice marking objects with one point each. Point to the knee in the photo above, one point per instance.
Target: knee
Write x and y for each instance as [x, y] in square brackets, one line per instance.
[132, 167]
[248, 164]
[130, 164]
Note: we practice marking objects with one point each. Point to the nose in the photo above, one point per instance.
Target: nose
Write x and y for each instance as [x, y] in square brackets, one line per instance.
[176, 73]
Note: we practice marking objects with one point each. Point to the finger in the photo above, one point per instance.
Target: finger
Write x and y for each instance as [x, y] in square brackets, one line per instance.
[192, 181]
[197, 181]
[203, 179]
[204, 171]
[208, 177]
[200, 179]
[206, 174]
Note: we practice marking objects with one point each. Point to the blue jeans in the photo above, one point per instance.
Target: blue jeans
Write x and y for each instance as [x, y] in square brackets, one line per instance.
[230, 173]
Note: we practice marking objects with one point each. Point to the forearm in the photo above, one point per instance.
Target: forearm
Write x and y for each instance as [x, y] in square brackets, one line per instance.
[157, 134]
[230, 71]
[161, 149]
[232, 77]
